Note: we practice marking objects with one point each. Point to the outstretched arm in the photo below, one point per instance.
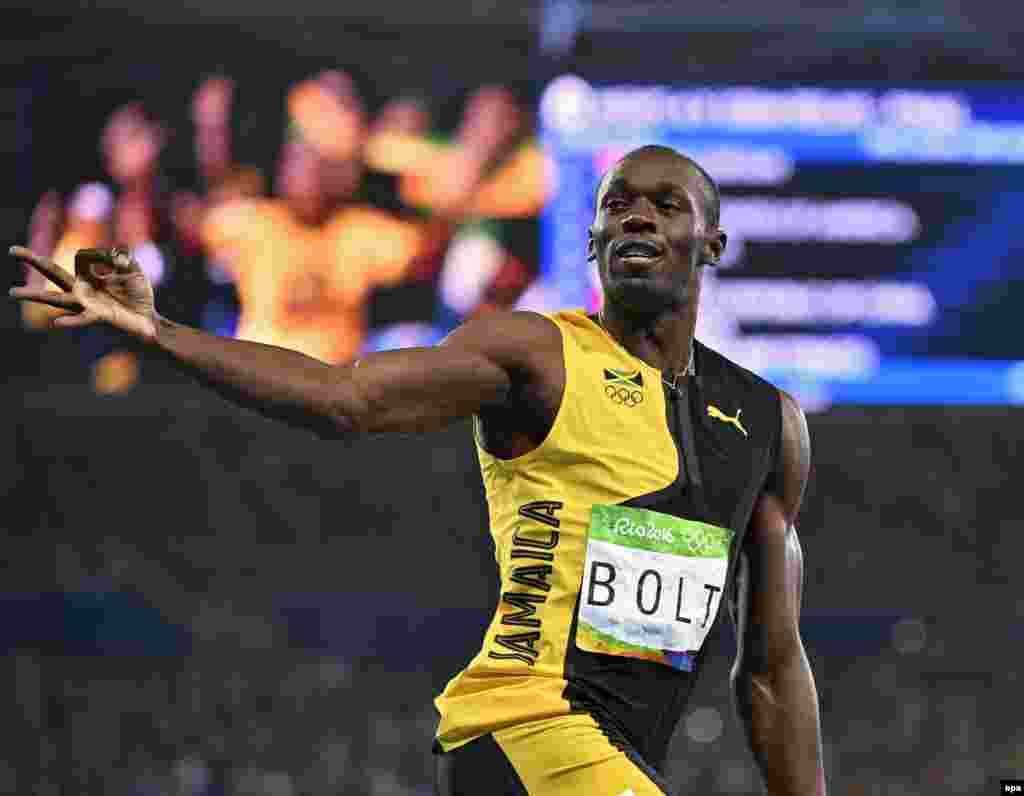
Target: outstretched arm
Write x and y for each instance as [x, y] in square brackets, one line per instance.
[411, 390]
[772, 679]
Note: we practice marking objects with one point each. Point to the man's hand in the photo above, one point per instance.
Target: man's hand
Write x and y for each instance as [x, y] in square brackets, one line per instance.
[108, 287]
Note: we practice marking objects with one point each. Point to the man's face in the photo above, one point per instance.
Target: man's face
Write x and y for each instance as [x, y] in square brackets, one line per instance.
[649, 235]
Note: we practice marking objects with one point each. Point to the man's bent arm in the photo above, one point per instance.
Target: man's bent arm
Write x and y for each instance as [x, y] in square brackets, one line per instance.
[416, 389]
[410, 390]
[277, 382]
[772, 680]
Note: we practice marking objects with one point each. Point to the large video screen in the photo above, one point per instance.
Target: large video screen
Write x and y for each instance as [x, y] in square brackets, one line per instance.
[361, 224]
[875, 250]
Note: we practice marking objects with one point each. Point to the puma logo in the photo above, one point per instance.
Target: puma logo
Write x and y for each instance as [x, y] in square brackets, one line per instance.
[718, 414]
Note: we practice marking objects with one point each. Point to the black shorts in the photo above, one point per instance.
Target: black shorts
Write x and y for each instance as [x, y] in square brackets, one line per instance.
[564, 756]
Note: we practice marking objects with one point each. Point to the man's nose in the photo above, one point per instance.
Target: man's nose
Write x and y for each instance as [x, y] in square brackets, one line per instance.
[638, 221]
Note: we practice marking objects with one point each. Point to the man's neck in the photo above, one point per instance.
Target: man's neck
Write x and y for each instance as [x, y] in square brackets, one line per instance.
[663, 341]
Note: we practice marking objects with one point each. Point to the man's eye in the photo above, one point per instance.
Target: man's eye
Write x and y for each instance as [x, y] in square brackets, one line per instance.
[615, 204]
[668, 205]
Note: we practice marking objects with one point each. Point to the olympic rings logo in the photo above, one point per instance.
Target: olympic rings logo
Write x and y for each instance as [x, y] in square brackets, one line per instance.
[623, 395]
[705, 543]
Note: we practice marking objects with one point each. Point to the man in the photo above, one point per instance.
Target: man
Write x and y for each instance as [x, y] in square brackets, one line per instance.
[634, 478]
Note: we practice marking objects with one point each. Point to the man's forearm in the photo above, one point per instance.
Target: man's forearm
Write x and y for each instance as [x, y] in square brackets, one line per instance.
[780, 713]
[276, 382]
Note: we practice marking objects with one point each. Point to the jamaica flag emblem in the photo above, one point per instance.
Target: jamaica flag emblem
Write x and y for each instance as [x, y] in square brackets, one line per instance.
[624, 387]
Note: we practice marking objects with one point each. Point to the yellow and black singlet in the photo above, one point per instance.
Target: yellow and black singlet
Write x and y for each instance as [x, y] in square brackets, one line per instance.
[616, 540]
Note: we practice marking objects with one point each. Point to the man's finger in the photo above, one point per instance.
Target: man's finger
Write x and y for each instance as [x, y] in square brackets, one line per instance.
[48, 297]
[101, 263]
[45, 266]
[78, 319]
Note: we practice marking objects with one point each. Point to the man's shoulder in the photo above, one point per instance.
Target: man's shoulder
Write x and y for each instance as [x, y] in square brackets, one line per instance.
[791, 439]
[765, 406]
[512, 333]
[715, 366]
[527, 345]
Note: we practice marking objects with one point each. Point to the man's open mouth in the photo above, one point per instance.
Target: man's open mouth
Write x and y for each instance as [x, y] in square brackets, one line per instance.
[637, 251]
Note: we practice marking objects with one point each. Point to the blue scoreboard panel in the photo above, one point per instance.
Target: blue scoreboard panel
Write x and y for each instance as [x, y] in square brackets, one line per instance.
[876, 236]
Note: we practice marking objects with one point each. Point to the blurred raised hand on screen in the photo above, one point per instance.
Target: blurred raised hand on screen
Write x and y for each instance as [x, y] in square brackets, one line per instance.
[211, 103]
[108, 286]
[404, 114]
[399, 140]
[44, 226]
[43, 233]
[495, 142]
[211, 117]
[489, 168]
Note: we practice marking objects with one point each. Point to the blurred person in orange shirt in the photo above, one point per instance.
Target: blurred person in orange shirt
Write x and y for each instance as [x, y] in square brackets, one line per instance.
[306, 261]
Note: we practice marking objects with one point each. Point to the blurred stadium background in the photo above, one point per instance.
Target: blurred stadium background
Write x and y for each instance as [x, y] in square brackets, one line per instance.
[198, 601]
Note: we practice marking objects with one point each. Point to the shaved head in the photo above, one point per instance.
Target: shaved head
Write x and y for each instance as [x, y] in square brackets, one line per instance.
[708, 189]
[655, 226]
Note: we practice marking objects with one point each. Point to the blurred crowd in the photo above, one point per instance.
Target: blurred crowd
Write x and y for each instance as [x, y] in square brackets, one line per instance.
[289, 723]
[358, 204]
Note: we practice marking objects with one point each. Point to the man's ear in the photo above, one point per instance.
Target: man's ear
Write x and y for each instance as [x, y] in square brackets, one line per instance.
[714, 247]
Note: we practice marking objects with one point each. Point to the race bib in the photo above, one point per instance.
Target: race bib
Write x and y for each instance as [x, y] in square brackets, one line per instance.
[652, 585]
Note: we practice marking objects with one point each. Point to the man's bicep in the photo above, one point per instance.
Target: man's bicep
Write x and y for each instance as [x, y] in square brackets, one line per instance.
[773, 574]
[424, 389]
[419, 389]
[793, 463]
[770, 589]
